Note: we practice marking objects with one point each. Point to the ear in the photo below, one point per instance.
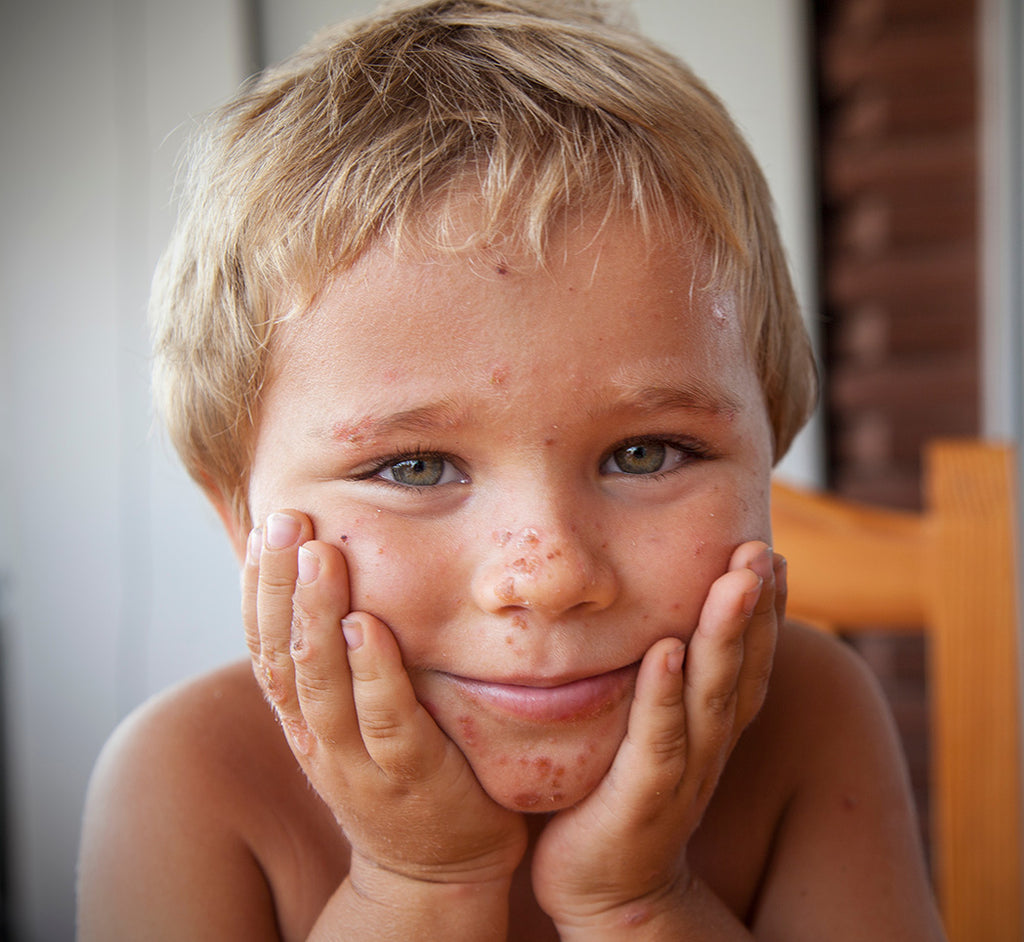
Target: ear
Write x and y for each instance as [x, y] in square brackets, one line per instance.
[237, 531]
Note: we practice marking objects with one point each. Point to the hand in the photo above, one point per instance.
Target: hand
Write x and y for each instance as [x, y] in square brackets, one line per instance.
[627, 840]
[401, 790]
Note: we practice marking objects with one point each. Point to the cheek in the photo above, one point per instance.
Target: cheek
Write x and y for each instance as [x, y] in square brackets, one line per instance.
[674, 561]
[401, 578]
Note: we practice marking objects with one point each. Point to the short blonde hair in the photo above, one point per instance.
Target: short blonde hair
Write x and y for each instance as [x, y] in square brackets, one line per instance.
[544, 106]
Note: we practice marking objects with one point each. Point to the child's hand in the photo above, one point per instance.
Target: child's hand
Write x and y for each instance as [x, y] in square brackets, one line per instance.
[627, 840]
[401, 790]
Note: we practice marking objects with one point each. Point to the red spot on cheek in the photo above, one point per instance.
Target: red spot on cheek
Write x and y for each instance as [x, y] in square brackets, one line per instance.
[467, 730]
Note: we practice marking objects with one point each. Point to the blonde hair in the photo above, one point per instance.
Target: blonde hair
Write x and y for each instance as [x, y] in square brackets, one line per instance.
[544, 106]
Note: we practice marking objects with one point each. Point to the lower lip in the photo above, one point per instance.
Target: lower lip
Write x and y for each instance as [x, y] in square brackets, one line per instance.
[578, 700]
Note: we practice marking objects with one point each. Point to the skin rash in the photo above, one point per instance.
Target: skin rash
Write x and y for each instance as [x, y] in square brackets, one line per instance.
[595, 446]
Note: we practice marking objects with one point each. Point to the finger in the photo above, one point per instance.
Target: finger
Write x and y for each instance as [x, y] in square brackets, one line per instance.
[781, 570]
[250, 581]
[323, 686]
[397, 732]
[714, 662]
[283, 533]
[760, 639]
[652, 758]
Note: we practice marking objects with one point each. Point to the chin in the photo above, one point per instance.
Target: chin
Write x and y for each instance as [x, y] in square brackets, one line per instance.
[539, 788]
[546, 773]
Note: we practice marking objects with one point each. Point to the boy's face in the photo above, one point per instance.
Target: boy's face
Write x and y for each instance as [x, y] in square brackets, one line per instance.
[534, 474]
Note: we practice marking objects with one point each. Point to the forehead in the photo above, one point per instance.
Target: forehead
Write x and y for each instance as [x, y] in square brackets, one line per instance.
[606, 304]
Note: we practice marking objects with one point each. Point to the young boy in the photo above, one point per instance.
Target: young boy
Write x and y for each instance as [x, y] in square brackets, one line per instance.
[489, 293]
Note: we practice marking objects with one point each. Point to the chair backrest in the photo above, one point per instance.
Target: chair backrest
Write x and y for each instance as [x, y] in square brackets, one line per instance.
[951, 572]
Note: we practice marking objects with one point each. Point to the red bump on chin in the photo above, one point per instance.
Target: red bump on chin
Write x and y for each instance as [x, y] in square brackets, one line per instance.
[526, 801]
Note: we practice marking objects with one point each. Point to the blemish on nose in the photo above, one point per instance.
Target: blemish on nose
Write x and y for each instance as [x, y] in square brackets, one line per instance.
[502, 537]
[506, 592]
[499, 376]
[527, 565]
[528, 537]
[519, 622]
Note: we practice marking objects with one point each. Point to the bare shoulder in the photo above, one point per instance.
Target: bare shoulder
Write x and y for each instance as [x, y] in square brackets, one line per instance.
[846, 846]
[184, 817]
[194, 739]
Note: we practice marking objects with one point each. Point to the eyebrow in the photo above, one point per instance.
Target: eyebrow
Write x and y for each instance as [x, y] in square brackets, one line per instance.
[690, 396]
[364, 429]
[695, 396]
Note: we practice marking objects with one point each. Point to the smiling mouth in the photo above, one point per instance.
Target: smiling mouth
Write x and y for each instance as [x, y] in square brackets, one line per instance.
[576, 700]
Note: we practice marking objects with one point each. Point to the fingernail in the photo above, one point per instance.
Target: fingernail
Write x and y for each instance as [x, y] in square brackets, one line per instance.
[282, 530]
[674, 661]
[781, 571]
[309, 566]
[253, 546]
[353, 632]
[763, 563]
[751, 596]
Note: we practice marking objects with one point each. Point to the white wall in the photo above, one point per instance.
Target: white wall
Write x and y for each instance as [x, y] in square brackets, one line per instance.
[114, 578]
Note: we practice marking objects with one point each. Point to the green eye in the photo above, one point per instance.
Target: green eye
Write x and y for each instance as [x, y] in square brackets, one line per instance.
[421, 471]
[417, 472]
[639, 458]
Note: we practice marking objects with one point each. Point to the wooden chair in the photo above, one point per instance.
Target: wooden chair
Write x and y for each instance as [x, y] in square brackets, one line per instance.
[951, 572]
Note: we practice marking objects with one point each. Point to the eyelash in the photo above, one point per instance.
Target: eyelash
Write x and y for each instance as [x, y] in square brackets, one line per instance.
[373, 473]
[691, 450]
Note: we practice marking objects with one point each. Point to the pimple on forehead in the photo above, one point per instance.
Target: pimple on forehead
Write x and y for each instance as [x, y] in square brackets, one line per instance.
[499, 376]
[359, 432]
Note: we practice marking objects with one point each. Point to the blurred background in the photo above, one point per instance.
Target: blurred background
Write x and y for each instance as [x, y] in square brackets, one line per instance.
[891, 133]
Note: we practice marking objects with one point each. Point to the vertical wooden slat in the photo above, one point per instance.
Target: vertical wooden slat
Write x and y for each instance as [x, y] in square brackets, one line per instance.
[976, 693]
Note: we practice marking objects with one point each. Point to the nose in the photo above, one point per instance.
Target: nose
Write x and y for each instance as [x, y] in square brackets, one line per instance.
[548, 569]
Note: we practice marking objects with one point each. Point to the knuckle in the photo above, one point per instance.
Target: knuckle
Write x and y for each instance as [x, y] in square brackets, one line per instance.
[277, 581]
[313, 688]
[272, 680]
[720, 706]
[380, 723]
[667, 745]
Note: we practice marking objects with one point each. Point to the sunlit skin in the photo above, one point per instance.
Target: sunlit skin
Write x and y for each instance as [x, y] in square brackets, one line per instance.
[511, 600]
[533, 474]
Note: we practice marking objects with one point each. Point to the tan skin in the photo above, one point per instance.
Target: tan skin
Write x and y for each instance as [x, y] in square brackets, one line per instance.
[543, 530]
